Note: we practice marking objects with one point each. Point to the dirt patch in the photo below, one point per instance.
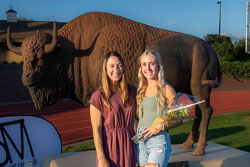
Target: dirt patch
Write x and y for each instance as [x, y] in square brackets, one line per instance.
[230, 83]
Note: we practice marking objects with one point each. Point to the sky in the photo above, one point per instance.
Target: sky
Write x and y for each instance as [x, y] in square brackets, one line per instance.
[195, 17]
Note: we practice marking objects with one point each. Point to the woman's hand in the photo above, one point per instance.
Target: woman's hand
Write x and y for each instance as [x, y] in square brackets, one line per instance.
[153, 131]
[103, 163]
[173, 124]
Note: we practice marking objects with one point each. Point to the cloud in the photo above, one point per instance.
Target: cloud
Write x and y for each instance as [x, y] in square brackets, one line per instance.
[234, 37]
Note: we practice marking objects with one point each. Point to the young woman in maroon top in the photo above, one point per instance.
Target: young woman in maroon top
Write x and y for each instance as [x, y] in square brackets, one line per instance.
[112, 113]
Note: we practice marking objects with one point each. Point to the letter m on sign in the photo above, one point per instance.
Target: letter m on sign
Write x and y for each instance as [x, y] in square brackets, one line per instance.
[7, 141]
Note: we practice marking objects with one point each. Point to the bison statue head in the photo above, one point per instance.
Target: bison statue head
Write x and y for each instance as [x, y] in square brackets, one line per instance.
[44, 73]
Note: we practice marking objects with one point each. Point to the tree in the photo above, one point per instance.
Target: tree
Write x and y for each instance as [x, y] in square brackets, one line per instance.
[239, 51]
[24, 19]
[221, 44]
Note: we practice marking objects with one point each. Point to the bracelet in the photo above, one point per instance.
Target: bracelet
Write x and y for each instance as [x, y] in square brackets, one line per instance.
[162, 124]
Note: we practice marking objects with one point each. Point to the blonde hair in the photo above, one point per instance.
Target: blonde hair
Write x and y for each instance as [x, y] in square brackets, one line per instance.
[106, 83]
[161, 98]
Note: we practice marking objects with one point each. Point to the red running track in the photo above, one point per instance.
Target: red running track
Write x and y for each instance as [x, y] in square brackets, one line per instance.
[72, 120]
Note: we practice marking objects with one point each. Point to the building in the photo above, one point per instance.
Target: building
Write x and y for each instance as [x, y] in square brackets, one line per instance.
[19, 30]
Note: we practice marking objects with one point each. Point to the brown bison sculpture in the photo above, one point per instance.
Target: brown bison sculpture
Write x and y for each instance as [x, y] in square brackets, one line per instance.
[191, 66]
[68, 64]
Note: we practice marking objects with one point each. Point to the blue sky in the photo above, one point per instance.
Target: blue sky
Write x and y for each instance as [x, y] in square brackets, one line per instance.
[195, 17]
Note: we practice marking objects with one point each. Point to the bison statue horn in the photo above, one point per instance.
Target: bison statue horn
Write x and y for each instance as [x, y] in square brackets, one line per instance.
[50, 47]
[12, 47]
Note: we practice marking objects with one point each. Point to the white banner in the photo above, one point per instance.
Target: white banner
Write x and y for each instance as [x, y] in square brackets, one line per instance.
[27, 138]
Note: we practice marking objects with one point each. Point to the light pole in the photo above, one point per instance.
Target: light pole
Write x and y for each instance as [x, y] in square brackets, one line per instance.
[219, 2]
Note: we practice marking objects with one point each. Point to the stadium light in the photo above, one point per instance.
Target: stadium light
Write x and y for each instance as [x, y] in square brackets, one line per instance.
[219, 2]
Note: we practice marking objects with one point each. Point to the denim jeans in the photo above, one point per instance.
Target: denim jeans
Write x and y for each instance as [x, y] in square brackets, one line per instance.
[156, 149]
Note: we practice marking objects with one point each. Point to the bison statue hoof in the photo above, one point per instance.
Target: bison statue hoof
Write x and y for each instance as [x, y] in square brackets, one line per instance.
[186, 146]
[199, 150]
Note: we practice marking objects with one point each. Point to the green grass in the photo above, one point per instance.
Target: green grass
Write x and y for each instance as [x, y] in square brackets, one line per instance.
[88, 145]
[232, 129]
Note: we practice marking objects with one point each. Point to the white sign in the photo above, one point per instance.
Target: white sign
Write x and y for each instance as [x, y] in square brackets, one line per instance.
[27, 138]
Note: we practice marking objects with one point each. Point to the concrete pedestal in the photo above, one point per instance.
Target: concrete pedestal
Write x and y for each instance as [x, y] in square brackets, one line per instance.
[75, 159]
[216, 156]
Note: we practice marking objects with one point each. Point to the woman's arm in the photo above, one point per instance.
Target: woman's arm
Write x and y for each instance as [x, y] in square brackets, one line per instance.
[135, 124]
[96, 121]
[171, 94]
[173, 124]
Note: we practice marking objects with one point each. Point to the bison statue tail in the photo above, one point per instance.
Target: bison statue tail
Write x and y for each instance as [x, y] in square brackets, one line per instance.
[214, 83]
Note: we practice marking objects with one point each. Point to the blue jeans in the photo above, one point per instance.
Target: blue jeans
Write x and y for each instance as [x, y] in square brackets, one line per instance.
[156, 149]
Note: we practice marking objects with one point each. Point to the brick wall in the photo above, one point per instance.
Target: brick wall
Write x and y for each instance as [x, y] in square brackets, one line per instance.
[11, 87]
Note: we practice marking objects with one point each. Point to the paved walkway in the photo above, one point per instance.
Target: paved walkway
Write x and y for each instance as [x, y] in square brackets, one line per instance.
[72, 120]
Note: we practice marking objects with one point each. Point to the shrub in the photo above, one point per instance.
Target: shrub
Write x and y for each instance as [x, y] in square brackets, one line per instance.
[221, 44]
[239, 51]
[236, 69]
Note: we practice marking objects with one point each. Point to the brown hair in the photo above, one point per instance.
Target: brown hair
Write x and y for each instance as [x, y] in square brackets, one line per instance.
[106, 83]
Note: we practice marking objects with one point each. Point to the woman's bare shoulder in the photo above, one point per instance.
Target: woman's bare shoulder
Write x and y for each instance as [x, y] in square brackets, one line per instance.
[170, 92]
[168, 87]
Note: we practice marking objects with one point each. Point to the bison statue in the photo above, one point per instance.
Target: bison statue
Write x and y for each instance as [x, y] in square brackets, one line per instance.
[191, 66]
[68, 64]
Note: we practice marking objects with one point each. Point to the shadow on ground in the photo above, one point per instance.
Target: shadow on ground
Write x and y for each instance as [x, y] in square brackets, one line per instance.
[212, 134]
